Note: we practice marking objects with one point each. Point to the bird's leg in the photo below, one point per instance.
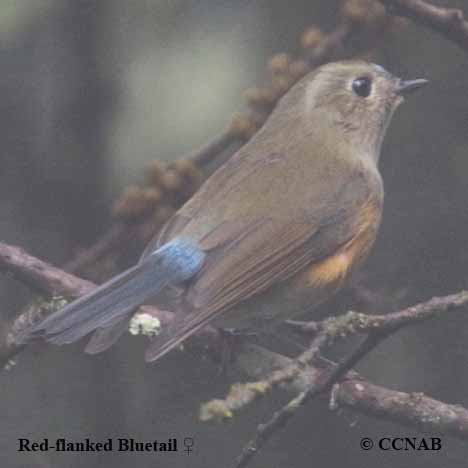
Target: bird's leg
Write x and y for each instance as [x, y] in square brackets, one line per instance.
[303, 327]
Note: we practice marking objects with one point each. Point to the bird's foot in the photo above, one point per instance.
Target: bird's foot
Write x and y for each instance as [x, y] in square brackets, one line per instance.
[305, 328]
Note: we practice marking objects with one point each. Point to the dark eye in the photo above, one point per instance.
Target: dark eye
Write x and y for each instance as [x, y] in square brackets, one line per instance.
[362, 86]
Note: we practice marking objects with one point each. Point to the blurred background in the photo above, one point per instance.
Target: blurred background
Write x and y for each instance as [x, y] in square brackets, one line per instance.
[91, 92]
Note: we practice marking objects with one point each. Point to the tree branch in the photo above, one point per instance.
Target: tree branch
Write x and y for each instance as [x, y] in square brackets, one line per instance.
[450, 22]
[413, 410]
[410, 409]
[58, 287]
[314, 374]
[40, 276]
[281, 417]
[378, 328]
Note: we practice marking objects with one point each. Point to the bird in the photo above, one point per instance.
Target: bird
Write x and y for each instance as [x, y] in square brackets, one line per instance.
[272, 233]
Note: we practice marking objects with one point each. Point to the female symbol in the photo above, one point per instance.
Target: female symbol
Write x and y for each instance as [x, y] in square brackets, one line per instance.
[188, 443]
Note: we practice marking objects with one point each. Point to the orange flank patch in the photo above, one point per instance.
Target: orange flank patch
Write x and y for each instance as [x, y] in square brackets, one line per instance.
[334, 269]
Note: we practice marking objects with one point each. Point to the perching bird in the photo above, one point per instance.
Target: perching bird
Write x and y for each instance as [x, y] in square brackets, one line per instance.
[273, 232]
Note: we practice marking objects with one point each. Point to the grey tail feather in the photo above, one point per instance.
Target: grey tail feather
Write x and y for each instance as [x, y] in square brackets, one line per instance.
[105, 306]
[104, 338]
[174, 336]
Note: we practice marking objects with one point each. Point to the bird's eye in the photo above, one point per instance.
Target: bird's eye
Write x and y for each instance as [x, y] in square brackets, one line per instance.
[362, 86]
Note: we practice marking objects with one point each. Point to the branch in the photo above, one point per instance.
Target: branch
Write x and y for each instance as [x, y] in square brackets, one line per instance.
[410, 409]
[281, 417]
[40, 276]
[353, 322]
[378, 328]
[450, 22]
[414, 410]
[59, 287]
[212, 149]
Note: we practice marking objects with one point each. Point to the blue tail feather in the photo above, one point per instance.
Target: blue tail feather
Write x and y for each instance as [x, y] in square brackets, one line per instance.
[173, 263]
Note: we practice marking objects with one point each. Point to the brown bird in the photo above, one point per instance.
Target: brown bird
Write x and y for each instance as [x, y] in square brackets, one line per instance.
[273, 232]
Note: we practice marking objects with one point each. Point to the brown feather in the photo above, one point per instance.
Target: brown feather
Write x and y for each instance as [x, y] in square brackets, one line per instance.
[301, 201]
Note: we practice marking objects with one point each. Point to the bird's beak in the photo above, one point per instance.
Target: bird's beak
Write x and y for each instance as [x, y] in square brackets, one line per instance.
[405, 87]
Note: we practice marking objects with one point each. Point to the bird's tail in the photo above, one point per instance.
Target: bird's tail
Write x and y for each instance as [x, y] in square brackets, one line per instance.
[107, 305]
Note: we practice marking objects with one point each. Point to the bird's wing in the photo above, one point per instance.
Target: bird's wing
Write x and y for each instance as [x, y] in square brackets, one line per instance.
[247, 255]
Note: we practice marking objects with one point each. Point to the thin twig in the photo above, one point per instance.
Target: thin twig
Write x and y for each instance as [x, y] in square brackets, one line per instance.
[353, 322]
[212, 149]
[281, 417]
[450, 22]
[378, 329]
[325, 333]
[413, 410]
